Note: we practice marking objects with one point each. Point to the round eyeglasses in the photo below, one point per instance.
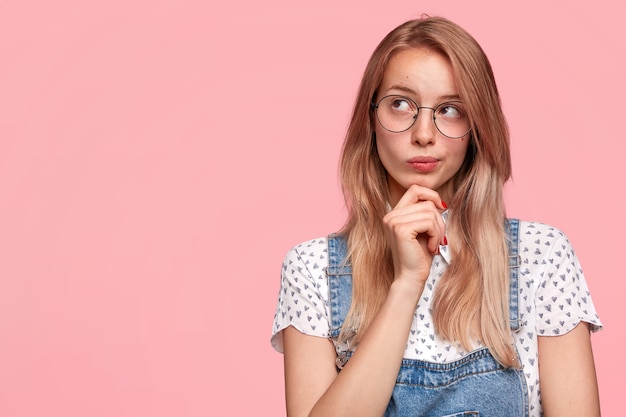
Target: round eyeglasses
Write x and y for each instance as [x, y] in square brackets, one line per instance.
[399, 113]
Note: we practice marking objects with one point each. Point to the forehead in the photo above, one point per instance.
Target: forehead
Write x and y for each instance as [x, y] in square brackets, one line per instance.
[419, 71]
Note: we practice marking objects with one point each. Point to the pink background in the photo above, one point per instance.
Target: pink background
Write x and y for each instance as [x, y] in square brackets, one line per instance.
[158, 158]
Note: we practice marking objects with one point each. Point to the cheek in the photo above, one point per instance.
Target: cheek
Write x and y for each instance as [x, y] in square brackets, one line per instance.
[389, 143]
[457, 150]
[387, 152]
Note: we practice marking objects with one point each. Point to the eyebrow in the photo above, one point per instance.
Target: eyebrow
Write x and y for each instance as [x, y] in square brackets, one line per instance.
[409, 90]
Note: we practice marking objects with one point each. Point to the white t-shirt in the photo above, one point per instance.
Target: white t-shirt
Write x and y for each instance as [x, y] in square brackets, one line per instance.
[553, 299]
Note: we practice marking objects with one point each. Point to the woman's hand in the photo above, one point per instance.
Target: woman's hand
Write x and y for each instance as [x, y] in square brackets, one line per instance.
[415, 230]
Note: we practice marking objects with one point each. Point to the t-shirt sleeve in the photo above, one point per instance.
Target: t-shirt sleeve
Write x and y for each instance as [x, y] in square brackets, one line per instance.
[303, 296]
[563, 299]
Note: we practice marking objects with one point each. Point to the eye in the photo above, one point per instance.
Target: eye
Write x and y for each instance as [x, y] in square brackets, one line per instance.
[401, 105]
[451, 111]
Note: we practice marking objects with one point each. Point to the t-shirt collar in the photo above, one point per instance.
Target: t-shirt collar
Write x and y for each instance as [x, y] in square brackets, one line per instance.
[444, 251]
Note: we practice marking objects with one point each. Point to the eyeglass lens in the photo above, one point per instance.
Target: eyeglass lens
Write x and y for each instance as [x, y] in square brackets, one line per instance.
[399, 113]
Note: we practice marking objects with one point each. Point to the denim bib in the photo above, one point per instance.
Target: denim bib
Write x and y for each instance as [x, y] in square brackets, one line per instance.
[475, 385]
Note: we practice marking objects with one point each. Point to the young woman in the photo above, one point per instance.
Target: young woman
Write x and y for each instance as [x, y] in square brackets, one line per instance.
[430, 302]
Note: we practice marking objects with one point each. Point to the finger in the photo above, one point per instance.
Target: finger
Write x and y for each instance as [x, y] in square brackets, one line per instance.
[418, 223]
[416, 193]
[418, 212]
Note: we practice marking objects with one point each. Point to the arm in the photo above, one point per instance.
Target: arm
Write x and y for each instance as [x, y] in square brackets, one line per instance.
[309, 370]
[567, 374]
[364, 386]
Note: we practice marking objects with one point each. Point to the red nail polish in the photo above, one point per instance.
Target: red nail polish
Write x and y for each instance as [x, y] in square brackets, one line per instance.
[443, 203]
[445, 241]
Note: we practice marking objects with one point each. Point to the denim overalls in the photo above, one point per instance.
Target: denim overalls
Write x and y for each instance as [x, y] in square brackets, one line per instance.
[476, 385]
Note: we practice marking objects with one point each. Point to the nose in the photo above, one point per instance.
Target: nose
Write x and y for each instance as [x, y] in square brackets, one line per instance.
[423, 131]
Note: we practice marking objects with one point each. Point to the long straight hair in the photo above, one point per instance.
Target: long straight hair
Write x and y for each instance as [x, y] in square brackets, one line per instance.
[471, 302]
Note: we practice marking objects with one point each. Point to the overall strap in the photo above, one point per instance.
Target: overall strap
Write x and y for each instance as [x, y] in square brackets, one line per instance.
[512, 232]
[339, 274]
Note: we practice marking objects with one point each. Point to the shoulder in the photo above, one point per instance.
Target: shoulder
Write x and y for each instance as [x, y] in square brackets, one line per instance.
[553, 287]
[538, 240]
[532, 229]
[303, 296]
[543, 246]
[305, 264]
[311, 253]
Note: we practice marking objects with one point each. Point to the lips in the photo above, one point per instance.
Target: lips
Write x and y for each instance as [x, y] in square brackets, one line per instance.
[423, 163]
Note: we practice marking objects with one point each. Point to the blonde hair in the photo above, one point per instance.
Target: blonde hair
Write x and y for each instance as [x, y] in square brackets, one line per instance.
[471, 302]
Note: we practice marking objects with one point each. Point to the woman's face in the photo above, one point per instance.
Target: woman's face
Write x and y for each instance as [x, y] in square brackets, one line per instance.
[420, 155]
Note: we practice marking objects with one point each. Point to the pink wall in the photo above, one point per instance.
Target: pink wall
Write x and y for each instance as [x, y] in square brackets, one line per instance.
[158, 158]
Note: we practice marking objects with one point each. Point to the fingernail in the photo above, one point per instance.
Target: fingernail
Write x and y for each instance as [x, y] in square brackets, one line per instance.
[445, 241]
[443, 203]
